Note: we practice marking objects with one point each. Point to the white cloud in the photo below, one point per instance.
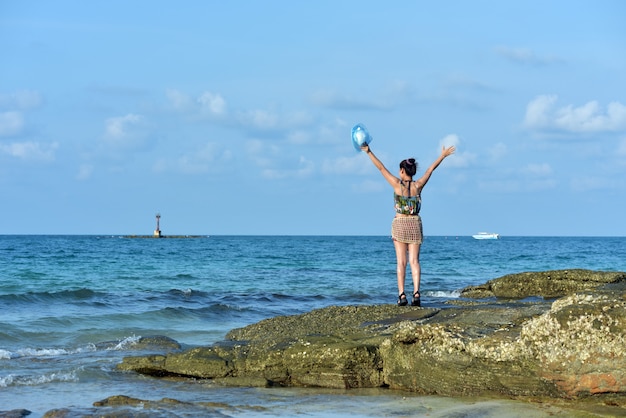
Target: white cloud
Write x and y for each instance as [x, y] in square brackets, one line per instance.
[262, 152]
[23, 99]
[268, 156]
[213, 106]
[538, 112]
[299, 137]
[258, 119]
[298, 118]
[212, 103]
[273, 165]
[124, 131]
[191, 165]
[356, 165]
[30, 150]
[11, 123]
[459, 158]
[118, 127]
[178, 99]
[538, 169]
[306, 167]
[334, 132]
[203, 159]
[498, 151]
[543, 115]
[209, 157]
[450, 140]
[270, 120]
[207, 104]
[84, 172]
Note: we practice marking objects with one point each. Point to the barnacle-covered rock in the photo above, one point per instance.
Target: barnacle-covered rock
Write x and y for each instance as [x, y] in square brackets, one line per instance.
[570, 343]
[548, 284]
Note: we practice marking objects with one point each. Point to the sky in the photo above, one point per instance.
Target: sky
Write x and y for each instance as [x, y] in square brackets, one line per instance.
[234, 117]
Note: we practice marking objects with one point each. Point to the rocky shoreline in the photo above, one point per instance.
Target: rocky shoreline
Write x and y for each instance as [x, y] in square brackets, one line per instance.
[556, 336]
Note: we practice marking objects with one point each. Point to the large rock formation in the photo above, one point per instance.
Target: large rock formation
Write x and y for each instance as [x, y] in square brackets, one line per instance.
[548, 284]
[504, 344]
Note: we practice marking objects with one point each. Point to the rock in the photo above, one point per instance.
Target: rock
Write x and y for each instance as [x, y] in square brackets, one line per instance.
[120, 406]
[15, 413]
[548, 284]
[147, 343]
[156, 342]
[573, 347]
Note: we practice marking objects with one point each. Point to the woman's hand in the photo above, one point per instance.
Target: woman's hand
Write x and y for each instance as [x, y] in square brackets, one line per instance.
[447, 151]
[365, 148]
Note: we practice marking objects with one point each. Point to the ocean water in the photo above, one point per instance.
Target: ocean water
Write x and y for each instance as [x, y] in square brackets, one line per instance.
[71, 307]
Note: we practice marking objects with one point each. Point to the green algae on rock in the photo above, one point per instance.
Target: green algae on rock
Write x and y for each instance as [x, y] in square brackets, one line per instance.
[548, 284]
[571, 348]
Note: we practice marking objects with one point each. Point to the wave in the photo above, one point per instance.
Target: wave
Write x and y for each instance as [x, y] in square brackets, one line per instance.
[129, 343]
[186, 292]
[33, 380]
[157, 299]
[44, 352]
[100, 298]
[124, 344]
[443, 293]
[43, 297]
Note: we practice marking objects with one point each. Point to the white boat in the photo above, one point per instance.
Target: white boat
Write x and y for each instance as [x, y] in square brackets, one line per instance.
[486, 235]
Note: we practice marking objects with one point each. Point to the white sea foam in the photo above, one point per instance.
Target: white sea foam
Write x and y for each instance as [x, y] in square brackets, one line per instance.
[125, 343]
[443, 294]
[44, 352]
[6, 380]
[60, 376]
[41, 352]
[54, 377]
[32, 352]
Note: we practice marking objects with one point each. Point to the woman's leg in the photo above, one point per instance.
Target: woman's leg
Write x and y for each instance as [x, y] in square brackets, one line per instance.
[401, 249]
[414, 262]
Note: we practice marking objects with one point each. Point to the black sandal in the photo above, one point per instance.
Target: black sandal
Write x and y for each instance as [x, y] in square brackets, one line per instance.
[416, 299]
[402, 299]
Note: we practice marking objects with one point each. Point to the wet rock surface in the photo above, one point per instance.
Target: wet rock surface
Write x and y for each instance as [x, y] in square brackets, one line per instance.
[15, 413]
[568, 347]
[557, 335]
[548, 284]
[121, 406]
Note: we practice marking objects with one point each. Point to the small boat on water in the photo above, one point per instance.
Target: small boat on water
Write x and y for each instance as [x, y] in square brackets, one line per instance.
[486, 235]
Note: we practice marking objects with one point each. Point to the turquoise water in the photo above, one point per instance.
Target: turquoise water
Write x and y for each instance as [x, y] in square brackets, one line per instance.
[72, 306]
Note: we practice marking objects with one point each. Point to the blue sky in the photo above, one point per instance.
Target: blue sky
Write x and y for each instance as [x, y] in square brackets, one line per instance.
[235, 117]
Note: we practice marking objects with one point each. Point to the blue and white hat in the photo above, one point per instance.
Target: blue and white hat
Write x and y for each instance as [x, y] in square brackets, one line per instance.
[360, 136]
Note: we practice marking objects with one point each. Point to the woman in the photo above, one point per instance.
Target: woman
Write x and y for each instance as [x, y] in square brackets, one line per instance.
[406, 228]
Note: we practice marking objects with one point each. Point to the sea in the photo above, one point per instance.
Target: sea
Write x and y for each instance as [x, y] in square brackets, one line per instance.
[71, 307]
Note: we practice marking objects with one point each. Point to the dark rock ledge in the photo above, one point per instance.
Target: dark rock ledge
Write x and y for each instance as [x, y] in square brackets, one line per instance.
[554, 334]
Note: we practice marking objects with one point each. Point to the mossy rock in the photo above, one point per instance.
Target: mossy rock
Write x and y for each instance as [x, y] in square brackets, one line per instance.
[546, 284]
